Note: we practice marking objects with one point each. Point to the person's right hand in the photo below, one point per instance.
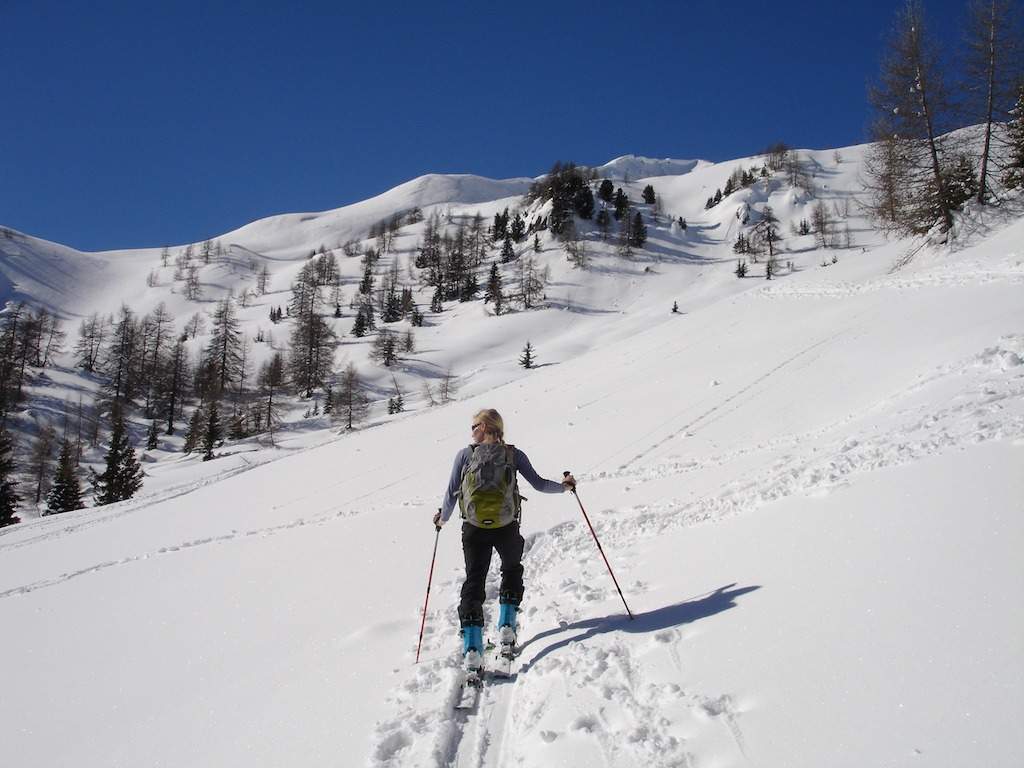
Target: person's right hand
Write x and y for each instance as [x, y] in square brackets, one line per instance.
[438, 522]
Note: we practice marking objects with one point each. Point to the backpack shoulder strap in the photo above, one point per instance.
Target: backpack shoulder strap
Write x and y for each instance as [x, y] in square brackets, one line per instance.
[465, 463]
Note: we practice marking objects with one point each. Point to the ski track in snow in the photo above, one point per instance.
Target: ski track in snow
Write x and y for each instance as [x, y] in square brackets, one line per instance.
[336, 512]
[626, 711]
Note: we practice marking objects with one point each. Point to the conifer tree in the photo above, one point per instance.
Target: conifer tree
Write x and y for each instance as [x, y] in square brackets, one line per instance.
[66, 492]
[396, 404]
[1013, 175]
[272, 382]
[507, 252]
[527, 358]
[359, 328]
[385, 348]
[606, 191]
[992, 61]
[621, 204]
[9, 498]
[437, 301]
[352, 402]
[517, 229]
[536, 243]
[195, 430]
[604, 223]
[122, 475]
[493, 292]
[583, 203]
[638, 231]
[470, 288]
[40, 460]
[223, 355]
[913, 113]
[152, 437]
[649, 195]
[213, 431]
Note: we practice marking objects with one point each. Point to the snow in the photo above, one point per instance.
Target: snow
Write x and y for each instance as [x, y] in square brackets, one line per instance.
[809, 490]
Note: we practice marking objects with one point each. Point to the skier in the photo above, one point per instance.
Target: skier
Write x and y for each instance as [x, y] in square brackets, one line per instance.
[483, 480]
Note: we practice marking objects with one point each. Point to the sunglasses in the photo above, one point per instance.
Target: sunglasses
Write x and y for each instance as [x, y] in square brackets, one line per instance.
[478, 424]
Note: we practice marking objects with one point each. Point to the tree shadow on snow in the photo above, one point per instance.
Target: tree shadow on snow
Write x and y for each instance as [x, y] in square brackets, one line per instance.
[722, 599]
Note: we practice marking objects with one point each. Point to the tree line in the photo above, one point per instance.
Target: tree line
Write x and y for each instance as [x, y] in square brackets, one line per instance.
[917, 173]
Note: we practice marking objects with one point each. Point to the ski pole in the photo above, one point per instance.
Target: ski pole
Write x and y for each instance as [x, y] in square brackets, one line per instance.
[430, 578]
[599, 548]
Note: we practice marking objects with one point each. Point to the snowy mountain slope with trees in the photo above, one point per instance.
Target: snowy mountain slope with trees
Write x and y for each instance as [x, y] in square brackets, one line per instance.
[760, 528]
[783, 424]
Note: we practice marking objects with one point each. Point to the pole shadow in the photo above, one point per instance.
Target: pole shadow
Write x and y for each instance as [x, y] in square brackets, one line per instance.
[687, 612]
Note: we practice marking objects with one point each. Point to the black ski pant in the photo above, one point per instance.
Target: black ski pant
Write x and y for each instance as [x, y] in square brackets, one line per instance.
[477, 544]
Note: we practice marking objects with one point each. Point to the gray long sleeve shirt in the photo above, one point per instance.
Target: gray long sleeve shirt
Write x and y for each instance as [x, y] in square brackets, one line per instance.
[523, 466]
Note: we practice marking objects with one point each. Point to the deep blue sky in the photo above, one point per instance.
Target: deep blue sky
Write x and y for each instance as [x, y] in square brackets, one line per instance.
[130, 124]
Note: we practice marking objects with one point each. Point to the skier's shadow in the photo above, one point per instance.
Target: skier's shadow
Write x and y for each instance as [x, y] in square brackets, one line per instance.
[722, 599]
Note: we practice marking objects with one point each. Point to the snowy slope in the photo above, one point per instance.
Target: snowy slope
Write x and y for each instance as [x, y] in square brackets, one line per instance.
[810, 491]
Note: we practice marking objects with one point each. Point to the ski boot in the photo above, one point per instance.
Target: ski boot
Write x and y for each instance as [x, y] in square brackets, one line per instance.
[472, 653]
[506, 638]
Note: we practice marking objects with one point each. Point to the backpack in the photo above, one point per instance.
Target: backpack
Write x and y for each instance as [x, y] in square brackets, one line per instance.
[489, 495]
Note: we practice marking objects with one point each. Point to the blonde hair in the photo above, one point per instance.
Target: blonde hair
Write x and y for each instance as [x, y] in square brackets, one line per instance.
[492, 422]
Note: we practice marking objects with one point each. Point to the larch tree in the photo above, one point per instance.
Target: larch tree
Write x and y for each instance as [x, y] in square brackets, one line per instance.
[913, 111]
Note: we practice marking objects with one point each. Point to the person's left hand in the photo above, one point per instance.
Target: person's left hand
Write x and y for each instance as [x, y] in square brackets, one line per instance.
[438, 522]
[568, 481]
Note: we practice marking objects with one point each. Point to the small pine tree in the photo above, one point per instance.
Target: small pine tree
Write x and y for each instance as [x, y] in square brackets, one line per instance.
[437, 301]
[536, 243]
[359, 328]
[527, 358]
[352, 403]
[621, 204]
[507, 251]
[741, 268]
[675, 307]
[153, 436]
[122, 475]
[213, 431]
[194, 431]
[638, 231]
[66, 492]
[493, 292]
[606, 191]
[9, 498]
[649, 195]
[238, 429]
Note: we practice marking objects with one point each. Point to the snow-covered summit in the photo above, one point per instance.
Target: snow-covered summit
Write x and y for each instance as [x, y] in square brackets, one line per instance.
[633, 167]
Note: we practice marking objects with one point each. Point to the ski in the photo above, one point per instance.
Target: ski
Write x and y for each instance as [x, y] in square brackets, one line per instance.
[472, 682]
[505, 654]
[469, 694]
[504, 660]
